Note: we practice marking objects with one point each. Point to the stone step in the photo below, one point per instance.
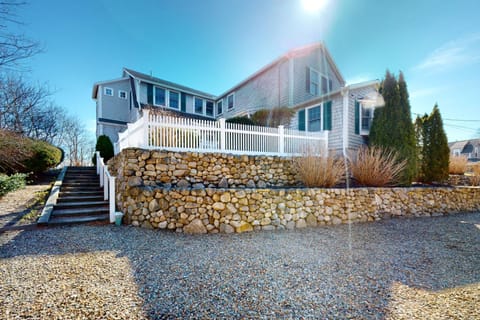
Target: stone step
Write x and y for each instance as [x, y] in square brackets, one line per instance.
[81, 204]
[81, 192]
[81, 184]
[80, 211]
[81, 219]
[76, 198]
[80, 188]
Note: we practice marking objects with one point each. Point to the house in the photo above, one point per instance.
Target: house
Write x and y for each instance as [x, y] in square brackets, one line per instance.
[466, 148]
[305, 79]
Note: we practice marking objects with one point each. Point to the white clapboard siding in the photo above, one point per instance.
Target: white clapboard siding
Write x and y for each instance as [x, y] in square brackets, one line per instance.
[156, 131]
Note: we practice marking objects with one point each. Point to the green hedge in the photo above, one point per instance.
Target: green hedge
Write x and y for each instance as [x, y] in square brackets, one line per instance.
[12, 183]
[22, 154]
[45, 156]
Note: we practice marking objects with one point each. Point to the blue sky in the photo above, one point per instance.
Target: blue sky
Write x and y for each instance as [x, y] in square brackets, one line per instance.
[211, 45]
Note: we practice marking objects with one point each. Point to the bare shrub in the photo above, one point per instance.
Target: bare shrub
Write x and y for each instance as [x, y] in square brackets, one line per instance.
[457, 165]
[315, 170]
[376, 167]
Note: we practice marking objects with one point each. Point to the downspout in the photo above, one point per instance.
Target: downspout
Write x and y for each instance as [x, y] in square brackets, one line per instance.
[345, 94]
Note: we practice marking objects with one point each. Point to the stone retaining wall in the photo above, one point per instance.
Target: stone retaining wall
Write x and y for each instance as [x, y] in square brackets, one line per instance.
[200, 193]
[234, 210]
[136, 167]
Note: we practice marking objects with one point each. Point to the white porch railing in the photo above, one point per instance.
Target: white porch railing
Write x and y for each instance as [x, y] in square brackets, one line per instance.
[154, 131]
[108, 184]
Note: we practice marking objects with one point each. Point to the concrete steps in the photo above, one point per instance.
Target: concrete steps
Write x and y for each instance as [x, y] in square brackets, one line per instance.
[80, 199]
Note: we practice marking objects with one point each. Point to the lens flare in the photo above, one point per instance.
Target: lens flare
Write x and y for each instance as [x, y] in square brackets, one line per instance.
[313, 6]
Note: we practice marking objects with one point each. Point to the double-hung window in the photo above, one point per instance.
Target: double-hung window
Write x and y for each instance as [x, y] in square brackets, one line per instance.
[173, 99]
[314, 119]
[314, 82]
[327, 85]
[160, 94]
[209, 108]
[198, 104]
[220, 107]
[231, 101]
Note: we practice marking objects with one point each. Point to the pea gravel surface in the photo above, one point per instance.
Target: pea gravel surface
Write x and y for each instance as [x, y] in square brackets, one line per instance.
[423, 268]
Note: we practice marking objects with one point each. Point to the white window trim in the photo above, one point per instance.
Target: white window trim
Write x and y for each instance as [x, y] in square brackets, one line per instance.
[233, 104]
[195, 108]
[105, 91]
[319, 84]
[307, 122]
[120, 94]
[213, 108]
[310, 69]
[179, 99]
[216, 107]
[155, 96]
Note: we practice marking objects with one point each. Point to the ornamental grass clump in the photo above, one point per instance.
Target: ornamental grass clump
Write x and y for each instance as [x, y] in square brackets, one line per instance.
[475, 178]
[377, 167]
[319, 171]
[457, 165]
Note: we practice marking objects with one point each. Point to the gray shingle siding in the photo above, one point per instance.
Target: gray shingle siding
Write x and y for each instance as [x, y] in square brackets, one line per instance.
[266, 91]
[113, 107]
[315, 59]
[355, 140]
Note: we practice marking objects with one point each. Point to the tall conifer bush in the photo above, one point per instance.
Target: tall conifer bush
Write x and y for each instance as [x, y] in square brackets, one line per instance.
[392, 126]
[435, 151]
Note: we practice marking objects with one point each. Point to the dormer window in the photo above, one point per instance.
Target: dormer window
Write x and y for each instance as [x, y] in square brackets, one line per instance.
[173, 99]
[159, 96]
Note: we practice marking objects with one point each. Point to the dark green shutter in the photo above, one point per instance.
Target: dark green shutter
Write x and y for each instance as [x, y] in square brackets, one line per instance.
[357, 117]
[150, 93]
[327, 115]
[307, 84]
[301, 120]
[183, 102]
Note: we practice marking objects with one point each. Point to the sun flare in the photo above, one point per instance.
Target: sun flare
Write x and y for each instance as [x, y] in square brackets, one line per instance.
[313, 6]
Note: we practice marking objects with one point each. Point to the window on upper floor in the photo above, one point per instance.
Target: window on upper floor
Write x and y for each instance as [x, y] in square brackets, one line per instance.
[108, 91]
[122, 94]
[314, 83]
[198, 105]
[159, 96]
[173, 99]
[219, 107]
[327, 85]
[231, 101]
[209, 108]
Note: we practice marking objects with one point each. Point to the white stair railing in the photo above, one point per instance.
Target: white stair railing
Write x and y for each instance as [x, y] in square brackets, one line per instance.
[107, 181]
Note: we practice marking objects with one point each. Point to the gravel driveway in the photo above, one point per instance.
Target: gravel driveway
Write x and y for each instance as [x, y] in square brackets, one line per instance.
[425, 268]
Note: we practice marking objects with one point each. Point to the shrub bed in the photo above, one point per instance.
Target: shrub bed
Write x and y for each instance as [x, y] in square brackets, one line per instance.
[12, 183]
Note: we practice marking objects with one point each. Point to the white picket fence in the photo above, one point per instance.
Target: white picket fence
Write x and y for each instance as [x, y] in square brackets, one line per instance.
[154, 131]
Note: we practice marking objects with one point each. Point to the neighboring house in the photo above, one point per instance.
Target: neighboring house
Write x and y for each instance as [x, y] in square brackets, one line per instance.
[304, 79]
[466, 148]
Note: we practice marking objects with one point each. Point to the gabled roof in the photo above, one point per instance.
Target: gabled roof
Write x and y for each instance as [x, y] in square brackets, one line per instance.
[150, 79]
[292, 54]
[461, 145]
